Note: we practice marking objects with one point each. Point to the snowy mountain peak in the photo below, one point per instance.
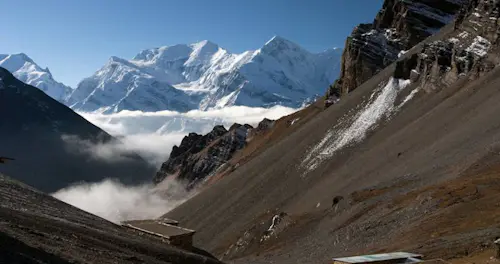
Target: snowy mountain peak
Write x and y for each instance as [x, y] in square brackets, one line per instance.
[26, 70]
[114, 60]
[278, 43]
[194, 54]
[14, 62]
[165, 53]
[22, 56]
[202, 52]
[276, 39]
[204, 44]
[203, 75]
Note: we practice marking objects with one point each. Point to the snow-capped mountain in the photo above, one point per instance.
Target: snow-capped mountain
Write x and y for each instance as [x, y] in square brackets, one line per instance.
[204, 75]
[26, 70]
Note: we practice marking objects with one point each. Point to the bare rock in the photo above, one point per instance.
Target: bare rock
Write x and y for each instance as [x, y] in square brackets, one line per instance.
[199, 156]
[398, 27]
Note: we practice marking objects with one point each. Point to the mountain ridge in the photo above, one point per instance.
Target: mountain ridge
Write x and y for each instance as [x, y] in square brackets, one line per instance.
[203, 75]
[25, 69]
[38, 131]
[406, 161]
[397, 27]
[37, 228]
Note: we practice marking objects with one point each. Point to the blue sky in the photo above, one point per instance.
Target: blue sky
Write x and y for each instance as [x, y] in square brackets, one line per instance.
[74, 38]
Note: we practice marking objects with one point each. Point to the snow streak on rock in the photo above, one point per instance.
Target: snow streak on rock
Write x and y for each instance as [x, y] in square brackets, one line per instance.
[480, 46]
[344, 133]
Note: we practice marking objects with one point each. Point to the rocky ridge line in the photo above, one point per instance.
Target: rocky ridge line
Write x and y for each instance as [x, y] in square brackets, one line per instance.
[200, 156]
[398, 27]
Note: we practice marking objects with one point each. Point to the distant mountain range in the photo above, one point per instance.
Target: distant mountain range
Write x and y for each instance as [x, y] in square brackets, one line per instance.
[196, 76]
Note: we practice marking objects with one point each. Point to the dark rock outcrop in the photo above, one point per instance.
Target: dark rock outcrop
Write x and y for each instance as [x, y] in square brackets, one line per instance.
[398, 27]
[263, 126]
[194, 143]
[201, 156]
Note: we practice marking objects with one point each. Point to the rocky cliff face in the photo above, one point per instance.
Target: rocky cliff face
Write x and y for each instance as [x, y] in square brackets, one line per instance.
[465, 54]
[200, 156]
[398, 27]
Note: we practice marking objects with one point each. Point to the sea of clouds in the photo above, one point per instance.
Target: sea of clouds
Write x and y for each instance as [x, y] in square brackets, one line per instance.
[152, 135]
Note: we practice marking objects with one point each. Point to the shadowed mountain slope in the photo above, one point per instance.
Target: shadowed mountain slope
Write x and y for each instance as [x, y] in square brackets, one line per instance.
[36, 228]
[53, 146]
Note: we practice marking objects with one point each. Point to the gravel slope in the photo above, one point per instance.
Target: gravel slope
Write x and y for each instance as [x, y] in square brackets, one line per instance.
[437, 138]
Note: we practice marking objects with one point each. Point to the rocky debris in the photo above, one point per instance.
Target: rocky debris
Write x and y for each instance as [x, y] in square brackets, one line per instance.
[398, 27]
[259, 234]
[441, 63]
[263, 126]
[333, 99]
[199, 156]
[194, 143]
[277, 224]
[240, 245]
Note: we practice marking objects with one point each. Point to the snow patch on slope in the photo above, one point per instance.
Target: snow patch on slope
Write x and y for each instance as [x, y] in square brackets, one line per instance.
[480, 46]
[344, 133]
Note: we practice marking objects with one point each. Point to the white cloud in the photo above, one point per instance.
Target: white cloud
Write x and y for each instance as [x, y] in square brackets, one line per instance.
[152, 135]
[153, 147]
[116, 202]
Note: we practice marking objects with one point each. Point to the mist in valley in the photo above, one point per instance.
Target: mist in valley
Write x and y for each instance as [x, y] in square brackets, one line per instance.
[151, 135]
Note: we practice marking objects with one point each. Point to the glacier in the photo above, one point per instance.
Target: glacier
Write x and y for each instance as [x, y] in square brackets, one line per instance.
[203, 75]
